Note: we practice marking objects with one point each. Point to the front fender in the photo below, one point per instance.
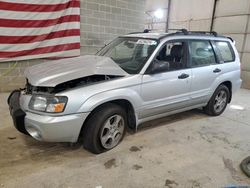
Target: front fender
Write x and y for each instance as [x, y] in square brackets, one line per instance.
[130, 94]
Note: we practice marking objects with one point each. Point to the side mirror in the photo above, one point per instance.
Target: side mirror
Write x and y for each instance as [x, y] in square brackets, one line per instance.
[158, 67]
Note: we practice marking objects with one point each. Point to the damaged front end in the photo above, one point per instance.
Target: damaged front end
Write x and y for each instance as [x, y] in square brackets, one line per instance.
[85, 81]
[42, 99]
[16, 112]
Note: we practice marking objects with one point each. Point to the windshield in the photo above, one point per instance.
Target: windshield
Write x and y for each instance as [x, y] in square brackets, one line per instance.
[129, 53]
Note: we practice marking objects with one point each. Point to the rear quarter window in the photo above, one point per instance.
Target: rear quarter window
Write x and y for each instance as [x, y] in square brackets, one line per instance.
[225, 51]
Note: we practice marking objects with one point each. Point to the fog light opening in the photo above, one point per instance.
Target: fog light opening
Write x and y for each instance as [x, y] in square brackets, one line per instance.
[34, 132]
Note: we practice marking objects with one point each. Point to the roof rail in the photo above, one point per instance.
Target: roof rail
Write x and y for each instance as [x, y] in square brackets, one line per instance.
[181, 31]
[205, 32]
[186, 32]
[145, 31]
[178, 31]
[233, 41]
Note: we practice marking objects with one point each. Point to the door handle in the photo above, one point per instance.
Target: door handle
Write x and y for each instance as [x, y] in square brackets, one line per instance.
[183, 76]
[216, 70]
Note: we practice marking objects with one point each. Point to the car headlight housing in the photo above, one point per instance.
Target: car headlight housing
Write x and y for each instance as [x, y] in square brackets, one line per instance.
[51, 104]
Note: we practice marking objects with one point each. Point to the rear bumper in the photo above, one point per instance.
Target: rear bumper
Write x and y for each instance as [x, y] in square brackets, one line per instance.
[236, 85]
[64, 128]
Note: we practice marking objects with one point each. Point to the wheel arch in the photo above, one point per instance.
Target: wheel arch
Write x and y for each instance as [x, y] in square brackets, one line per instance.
[228, 84]
[123, 103]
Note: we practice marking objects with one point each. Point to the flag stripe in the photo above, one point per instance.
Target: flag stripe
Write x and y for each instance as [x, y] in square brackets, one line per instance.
[38, 23]
[38, 16]
[42, 50]
[38, 7]
[44, 43]
[37, 38]
[8, 31]
[39, 1]
[63, 54]
[39, 28]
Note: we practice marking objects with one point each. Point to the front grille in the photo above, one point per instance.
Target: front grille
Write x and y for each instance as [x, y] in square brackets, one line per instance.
[30, 89]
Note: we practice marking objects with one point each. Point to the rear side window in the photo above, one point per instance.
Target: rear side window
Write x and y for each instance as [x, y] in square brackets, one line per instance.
[201, 53]
[225, 51]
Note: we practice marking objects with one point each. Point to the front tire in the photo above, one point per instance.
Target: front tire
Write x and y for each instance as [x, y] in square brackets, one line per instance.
[105, 128]
[218, 102]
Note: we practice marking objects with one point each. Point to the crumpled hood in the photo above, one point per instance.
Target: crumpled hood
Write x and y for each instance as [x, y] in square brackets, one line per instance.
[53, 73]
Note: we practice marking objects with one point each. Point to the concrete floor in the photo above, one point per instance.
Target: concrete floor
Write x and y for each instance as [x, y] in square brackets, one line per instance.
[185, 150]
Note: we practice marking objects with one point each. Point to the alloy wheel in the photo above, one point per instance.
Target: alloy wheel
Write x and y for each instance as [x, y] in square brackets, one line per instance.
[112, 131]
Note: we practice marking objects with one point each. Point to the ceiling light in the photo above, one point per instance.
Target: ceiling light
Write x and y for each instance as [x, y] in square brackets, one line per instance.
[158, 13]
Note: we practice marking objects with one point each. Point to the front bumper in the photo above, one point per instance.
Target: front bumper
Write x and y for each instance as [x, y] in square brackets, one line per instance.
[64, 128]
[16, 112]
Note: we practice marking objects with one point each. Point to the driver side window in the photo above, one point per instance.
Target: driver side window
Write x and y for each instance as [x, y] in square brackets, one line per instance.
[173, 55]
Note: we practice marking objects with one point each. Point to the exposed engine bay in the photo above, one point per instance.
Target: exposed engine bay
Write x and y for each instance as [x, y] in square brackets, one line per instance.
[69, 84]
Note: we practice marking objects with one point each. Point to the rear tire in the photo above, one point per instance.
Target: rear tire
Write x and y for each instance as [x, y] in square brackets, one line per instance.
[218, 102]
[105, 128]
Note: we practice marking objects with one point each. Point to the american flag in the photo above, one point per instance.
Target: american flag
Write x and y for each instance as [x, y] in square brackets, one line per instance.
[32, 29]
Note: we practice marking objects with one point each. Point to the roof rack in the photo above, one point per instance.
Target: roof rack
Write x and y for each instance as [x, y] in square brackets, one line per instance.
[180, 32]
[186, 32]
[233, 41]
[205, 32]
[145, 31]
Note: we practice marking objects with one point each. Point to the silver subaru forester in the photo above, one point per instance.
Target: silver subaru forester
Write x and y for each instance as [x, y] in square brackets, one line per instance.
[135, 78]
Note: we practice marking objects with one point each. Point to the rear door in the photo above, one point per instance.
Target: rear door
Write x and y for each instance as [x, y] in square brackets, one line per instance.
[205, 70]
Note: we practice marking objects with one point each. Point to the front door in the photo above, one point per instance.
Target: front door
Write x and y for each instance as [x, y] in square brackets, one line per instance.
[168, 90]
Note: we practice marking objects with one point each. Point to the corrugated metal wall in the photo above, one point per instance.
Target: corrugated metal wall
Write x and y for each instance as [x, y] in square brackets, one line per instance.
[232, 18]
[191, 14]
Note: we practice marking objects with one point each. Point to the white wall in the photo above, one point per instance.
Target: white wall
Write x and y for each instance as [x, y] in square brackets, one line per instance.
[152, 23]
[191, 14]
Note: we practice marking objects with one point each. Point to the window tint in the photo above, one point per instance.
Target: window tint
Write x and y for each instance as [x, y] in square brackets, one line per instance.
[172, 54]
[201, 53]
[225, 51]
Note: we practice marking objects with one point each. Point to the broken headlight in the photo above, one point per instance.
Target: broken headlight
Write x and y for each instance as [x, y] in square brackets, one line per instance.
[52, 104]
